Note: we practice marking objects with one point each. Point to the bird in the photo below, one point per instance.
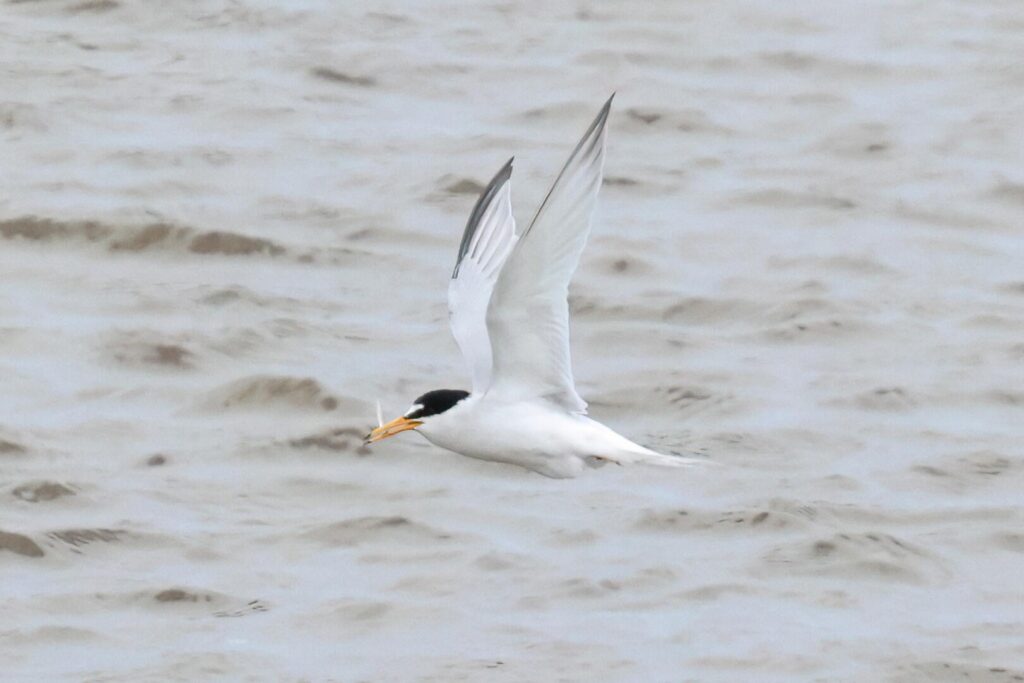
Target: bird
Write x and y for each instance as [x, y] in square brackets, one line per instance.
[509, 313]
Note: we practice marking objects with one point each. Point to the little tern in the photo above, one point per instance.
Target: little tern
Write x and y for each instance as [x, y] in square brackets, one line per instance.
[509, 314]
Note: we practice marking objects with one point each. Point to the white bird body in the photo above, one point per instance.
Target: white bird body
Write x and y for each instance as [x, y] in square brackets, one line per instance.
[542, 438]
[509, 315]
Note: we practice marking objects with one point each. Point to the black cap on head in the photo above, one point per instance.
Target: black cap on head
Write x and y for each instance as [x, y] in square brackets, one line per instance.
[435, 402]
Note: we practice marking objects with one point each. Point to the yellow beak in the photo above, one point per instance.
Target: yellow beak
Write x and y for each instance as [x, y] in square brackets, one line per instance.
[396, 426]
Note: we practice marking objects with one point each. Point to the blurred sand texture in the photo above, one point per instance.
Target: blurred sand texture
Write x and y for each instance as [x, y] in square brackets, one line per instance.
[226, 229]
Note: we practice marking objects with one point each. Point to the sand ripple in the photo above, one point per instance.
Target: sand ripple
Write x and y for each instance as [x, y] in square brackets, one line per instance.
[227, 228]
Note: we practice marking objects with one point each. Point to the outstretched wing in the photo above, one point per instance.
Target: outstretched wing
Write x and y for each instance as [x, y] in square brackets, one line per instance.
[486, 243]
[528, 317]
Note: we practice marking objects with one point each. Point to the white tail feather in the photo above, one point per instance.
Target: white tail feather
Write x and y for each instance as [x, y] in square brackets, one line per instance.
[649, 457]
[672, 460]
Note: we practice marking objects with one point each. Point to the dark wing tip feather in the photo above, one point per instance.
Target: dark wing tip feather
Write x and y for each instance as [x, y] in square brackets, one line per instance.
[596, 126]
[587, 141]
[486, 197]
[607, 106]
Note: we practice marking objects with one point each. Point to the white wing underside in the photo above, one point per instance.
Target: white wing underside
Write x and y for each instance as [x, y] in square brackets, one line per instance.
[488, 240]
[508, 298]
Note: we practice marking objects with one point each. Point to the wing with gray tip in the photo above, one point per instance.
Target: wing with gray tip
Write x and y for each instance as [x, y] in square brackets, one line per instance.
[528, 316]
[486, 243]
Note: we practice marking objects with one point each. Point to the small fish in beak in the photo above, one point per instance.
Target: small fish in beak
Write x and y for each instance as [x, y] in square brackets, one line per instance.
[396, 426]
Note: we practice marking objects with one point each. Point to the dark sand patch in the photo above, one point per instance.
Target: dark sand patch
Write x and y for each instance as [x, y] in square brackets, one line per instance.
[145, 237]
[644, 116]
[251, 607]
[814, 331]
[788, 199]
[338, 440]
[21, 116]
[81, 537]
[96, 6]
[138, 238]
[19, 544]
[684, 520]
[36, 229]
[950, 672]
[619, 181]
[1010, 540]
[156, 460]
[885, 399]
[37, 492]
[182, 595]
[960, 472]
[464, 186]
[705, 311]
[11, 448]
[232, 244]
[334, 76]
[871, 556]
[146, 354]
[687, 120]
[375, 528]
[262, 391]
[851, 263]
[1012, 193]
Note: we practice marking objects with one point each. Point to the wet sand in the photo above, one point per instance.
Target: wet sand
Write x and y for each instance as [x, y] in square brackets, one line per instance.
[227, 228]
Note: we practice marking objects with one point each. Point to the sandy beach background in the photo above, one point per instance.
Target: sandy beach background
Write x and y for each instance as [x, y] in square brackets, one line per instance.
[226, 228]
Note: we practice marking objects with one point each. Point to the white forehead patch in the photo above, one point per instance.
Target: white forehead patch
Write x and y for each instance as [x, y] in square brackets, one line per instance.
[413, 409]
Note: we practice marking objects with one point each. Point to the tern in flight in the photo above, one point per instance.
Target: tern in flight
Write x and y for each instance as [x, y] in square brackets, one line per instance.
[509, 314]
